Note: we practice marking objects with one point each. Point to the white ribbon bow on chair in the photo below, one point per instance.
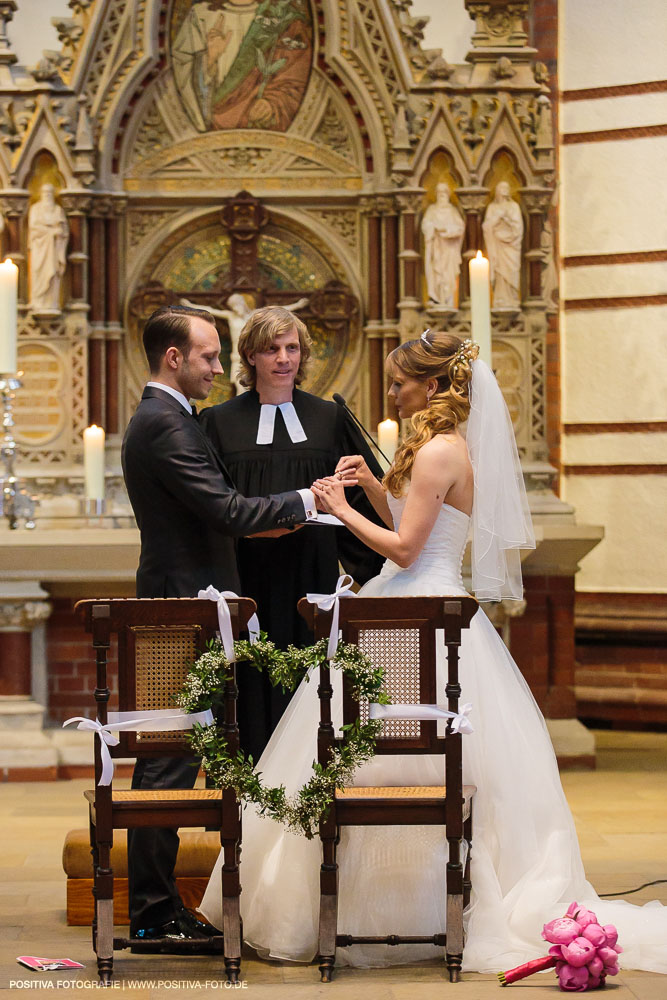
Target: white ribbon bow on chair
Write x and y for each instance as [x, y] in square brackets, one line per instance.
[325, 602]
[150, 721]
[460, 723]
[225, 620]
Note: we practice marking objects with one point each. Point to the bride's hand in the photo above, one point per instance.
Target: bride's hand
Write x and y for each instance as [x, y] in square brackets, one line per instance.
[355, 467]
[330, 494]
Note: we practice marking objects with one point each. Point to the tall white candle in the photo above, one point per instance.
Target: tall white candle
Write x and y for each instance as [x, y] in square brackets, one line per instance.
[9, 277]
[388, 438]
[480, 305]
[93, 462]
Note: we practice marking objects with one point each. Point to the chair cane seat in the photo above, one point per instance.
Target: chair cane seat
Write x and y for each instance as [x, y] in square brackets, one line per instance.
[400, 792]
[160, 794]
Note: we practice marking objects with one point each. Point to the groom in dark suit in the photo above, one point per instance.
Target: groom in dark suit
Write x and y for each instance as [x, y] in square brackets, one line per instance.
[188, 513]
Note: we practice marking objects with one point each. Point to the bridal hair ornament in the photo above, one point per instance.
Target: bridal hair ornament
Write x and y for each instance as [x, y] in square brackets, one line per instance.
[501, 522]
[466, 354]
[424, 337]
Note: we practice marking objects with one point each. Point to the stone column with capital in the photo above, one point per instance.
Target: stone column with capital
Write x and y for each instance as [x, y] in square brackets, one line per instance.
[97, 315]
[410, 202]
[390, 296]
[371, 210]
[114, 330]
[26, 753]
[472, 201]
[76, 205]
[537, 201]
[13, 204]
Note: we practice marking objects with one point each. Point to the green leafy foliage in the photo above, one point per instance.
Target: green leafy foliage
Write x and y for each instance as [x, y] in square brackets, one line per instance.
[203, 689]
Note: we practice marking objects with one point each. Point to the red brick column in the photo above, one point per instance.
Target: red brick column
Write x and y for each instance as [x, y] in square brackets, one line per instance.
[14, 662]
[27, 753]
[18, 616]
[543, 643]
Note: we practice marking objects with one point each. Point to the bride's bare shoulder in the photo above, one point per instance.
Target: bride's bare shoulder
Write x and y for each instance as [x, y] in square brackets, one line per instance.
[444, 455]
[445, 447]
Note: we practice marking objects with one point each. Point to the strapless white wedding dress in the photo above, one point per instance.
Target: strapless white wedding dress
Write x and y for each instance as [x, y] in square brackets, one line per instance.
[526, 867]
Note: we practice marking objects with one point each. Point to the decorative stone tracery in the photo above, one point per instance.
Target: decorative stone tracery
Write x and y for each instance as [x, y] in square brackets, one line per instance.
[328, 208]
[377, 110]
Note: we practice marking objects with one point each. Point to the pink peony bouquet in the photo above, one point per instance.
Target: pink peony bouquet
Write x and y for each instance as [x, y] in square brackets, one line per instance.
[583, 952]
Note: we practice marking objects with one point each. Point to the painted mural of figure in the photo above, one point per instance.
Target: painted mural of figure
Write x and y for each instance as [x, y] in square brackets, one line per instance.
[503, 232]
[443, 230]
[48, 233]
[243, 63]
[237, 314]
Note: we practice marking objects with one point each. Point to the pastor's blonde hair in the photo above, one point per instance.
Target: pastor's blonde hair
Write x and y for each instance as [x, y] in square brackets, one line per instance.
[447, 359]
[261, 329]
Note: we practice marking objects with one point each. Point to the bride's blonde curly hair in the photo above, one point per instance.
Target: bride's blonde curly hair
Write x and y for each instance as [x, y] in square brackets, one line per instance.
[447, 359]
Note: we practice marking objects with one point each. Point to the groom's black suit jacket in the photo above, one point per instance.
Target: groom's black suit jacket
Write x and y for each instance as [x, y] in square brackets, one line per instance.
[186, 506]
[188, 513]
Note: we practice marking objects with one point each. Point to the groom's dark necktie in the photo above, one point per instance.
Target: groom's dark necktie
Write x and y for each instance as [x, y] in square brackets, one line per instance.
[195, 413]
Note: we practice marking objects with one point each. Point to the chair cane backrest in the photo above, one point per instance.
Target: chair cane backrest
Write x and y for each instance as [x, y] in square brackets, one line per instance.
[399, 635]
[157, 641]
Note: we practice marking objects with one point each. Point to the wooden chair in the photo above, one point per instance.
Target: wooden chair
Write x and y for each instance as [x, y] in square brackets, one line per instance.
[157, 641]
[399, 634]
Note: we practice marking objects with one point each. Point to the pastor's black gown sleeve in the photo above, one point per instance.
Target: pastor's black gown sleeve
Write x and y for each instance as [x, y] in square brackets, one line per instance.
[276, 573]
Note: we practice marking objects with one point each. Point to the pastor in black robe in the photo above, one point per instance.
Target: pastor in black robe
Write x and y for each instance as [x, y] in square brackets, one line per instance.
[277, 572]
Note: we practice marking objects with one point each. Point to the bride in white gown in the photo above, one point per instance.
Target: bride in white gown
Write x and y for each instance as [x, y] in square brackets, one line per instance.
[525, 865]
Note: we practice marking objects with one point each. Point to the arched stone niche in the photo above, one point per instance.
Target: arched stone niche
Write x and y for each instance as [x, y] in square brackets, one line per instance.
[196, 261]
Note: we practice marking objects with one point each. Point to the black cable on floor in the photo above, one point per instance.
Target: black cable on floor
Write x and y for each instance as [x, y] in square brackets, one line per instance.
[628, 892]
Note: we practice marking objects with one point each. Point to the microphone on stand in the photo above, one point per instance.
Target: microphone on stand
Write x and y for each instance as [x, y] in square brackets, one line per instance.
[337, 398]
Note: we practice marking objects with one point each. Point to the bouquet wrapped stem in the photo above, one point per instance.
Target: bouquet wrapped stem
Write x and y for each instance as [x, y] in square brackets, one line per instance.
[582, 952]
[527, 969]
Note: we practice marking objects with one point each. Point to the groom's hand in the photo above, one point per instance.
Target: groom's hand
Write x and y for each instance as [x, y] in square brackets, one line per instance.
[320, 485]
[352, 469]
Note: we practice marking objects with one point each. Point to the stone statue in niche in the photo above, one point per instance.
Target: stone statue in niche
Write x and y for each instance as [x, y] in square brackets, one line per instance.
[503, 232]
[237, 316]
[443, 229]
[48, 233]
[240, 63]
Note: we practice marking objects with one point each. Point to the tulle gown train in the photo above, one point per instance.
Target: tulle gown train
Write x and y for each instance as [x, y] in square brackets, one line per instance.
[526, 867]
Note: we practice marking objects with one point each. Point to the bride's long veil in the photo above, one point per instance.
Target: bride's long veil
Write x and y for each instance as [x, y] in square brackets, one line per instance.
[501, 523]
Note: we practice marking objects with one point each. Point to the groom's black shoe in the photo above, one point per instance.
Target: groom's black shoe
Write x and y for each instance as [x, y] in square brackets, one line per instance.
[185, 929]
[198, 927]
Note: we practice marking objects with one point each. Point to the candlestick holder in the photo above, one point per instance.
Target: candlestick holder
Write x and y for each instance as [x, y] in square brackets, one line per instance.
[16, 504]
[91, 507]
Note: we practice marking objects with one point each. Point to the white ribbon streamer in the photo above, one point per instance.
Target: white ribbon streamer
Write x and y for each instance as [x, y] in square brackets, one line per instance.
[460, 724]
[225, 620]
[151, 721]
[325, 602]
[267, 420]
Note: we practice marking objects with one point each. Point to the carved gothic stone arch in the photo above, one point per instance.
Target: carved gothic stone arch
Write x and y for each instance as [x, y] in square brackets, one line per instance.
[269, 258]
[158, 132]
